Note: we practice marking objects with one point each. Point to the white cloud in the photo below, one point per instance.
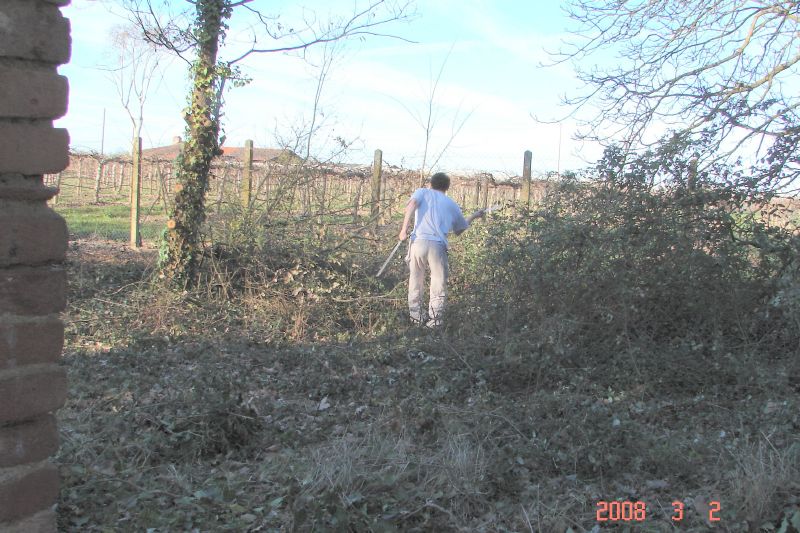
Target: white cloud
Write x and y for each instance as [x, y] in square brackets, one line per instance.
[372, 93]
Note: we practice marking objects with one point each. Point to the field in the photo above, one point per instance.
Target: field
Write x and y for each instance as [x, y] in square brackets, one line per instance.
[288, 392]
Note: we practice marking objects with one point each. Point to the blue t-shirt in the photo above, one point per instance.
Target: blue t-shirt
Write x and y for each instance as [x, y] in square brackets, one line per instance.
[436, 216]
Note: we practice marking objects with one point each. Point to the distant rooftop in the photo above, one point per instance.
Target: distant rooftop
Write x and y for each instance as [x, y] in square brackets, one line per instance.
[234, 152]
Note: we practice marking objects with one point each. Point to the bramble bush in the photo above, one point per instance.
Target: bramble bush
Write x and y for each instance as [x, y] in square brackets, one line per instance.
[627, 339]
[647, 263]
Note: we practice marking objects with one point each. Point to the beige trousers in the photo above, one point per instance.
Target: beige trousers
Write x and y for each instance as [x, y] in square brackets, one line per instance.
[424, 255]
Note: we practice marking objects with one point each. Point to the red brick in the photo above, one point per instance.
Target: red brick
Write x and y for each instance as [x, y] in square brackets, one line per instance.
[28, 442]
[41, 522]
[30, 341]
[34, 30]
[15, 186]
[30, 391]
[32, 234]
[32, 92]
[33, 147]
[32, 291]
[25, 490]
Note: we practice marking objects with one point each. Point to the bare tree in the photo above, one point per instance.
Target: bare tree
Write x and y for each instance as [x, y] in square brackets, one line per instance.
[429, 119]
[718, 68]
[136, 64]
[197, 34]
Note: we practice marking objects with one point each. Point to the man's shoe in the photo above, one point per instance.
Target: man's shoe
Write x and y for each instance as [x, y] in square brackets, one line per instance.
[433, 324]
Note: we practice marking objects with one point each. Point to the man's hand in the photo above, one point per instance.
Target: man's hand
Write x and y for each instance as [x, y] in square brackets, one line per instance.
[477, 214]
[411, 207]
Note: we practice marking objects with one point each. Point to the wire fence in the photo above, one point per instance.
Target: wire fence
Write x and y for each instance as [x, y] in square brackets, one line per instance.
[281, 186]
[276, 181]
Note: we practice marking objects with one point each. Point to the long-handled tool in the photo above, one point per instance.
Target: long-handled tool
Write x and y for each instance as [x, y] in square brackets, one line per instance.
[388, 259]
[397, 246]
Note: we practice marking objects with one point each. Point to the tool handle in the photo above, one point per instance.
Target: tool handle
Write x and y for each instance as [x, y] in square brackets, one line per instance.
[388, 259]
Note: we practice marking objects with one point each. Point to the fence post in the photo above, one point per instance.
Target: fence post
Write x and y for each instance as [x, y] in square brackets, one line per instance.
[136, 189]
[691, 180]
[247, 174]
[121, 182]
[525, 195]
[221, 191]
[357, 203]
[477, 192]
[58, 188]
[377, 166]
[386, 212]
[97, 179]
[322, 198]
[80, 179]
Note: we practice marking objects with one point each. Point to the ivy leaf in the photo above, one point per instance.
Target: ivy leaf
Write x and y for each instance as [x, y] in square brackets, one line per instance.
[795, 521]
[276, 502]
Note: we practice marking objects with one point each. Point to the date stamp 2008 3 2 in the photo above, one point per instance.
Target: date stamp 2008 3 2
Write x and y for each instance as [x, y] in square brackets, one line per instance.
[636, 511]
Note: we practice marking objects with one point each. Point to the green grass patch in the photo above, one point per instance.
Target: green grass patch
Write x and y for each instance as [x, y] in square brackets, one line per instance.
[107, 222]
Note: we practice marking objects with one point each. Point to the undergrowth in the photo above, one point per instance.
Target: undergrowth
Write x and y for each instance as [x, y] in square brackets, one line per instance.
[619, 342]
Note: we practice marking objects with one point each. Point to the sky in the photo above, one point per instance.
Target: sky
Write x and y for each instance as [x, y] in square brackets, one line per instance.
[494, 99]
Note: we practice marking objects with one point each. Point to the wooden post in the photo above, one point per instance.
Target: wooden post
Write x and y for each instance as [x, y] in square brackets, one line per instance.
[121, 178]
[357, 203]
[322, 198]
[97, 178]
[525, 195]
[477, 192]
[221, 192]
[691, 179]
[163, 192]
[386, 212]
[377, 167]
[80, 179]
[170, 177]
[485, 199]
[58, 188]
[247, 174]
[136, 186]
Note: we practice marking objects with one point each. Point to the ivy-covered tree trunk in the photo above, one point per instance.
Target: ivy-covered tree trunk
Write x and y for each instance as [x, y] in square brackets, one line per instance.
[183, 245]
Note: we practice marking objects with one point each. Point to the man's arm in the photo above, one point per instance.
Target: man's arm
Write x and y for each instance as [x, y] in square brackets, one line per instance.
[477, 214]
[411, 206]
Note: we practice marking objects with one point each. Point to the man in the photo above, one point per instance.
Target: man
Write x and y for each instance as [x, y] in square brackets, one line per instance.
[435, 215]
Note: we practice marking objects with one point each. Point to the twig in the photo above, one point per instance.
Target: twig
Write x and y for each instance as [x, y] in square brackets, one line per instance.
[111, 303]
[379, 297]
[527, 519]
[489, 413]
[429, 503]
[459, 356]
[123, 287]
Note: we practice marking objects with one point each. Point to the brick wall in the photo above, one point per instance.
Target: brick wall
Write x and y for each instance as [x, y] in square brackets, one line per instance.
[34, 40]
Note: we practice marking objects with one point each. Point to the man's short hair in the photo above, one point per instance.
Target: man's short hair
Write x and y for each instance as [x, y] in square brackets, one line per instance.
[440, 181]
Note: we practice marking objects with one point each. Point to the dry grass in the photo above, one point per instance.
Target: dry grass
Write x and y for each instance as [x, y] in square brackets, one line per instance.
[762, 478]
[288, 393]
